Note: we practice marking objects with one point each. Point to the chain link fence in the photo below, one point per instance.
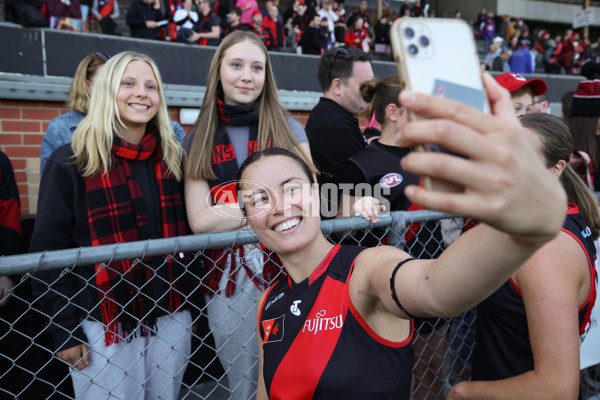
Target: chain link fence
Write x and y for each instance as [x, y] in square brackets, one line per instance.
[222, 360]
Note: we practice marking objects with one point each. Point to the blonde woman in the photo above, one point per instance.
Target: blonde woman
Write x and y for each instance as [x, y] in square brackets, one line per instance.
[121, 326]
[240, 114]
[60, 129]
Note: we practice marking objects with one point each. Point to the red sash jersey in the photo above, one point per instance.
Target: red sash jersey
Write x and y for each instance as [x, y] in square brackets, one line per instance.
[502, 348]
[317, 346]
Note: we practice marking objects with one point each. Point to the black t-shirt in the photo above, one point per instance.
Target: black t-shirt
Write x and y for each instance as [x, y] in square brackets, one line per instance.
[334, 136]
[354, 175]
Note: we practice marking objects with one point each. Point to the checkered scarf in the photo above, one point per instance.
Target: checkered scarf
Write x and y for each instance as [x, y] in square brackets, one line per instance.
[117, 214]
[223, 189]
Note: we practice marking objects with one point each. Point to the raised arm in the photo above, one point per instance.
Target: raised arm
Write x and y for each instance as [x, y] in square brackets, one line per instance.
[503, 184]
[502, 181]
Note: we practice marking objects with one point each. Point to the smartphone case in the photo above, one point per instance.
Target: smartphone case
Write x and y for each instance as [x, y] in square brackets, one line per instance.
[438, 56]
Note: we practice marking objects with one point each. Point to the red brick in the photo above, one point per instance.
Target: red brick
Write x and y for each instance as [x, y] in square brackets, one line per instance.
[24, 203]
[11, 138]
[302, 120]
[40, 114]
[18, 163]
[19, 103]
[10, 113]
[21, 176]
[21, 126]
[33, 139]
[23, 189]
[47, 104]
[22, 151]
[45, 125]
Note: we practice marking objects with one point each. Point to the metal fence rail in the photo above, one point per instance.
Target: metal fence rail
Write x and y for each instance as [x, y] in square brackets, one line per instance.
[29, 370]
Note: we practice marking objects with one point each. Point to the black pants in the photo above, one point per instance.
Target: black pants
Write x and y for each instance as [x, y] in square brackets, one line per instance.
[108, 25]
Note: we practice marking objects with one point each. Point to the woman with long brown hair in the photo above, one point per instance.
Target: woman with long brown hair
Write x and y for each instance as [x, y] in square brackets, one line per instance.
[240, 114]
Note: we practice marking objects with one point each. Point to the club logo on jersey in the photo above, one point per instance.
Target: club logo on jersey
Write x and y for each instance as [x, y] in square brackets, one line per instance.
[273, 329]
[587, 232]
[322, 323]
[390, 180]
[294, 308]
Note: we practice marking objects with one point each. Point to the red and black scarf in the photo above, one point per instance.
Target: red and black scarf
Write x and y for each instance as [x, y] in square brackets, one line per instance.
[116, 214]
[223, 190]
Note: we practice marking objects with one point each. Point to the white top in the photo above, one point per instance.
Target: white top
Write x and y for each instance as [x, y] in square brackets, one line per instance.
[181, 14]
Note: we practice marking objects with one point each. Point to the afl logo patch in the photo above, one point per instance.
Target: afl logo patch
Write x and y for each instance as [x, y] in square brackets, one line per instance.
[390, 180]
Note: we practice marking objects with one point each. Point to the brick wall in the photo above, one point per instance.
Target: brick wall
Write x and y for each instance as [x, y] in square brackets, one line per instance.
[22, 126]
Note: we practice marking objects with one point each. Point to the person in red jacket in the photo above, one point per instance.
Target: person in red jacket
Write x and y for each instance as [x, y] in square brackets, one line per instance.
[272, 23]
[263, 32]
[356, 35]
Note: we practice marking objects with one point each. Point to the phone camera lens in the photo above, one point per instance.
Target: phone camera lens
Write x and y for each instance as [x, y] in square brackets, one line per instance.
[424, 40]
[413, 49]
[409, 32]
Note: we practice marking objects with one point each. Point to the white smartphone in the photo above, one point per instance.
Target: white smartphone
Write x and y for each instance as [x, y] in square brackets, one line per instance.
[438, 56]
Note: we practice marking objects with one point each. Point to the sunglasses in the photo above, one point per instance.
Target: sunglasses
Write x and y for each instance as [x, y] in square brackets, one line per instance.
[102, 56]
[336, 51]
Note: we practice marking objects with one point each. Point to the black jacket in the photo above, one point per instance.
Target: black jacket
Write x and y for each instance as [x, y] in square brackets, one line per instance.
[137, 15]
[62, 223]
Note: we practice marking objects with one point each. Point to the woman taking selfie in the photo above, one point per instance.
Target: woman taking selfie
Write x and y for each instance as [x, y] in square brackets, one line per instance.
[346, 311]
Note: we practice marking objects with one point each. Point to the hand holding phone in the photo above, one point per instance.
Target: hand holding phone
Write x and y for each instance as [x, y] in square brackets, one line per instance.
[438, 56]
[503, 180]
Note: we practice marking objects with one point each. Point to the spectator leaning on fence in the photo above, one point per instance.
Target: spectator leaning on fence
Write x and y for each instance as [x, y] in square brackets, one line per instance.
[121, 326]
[240, 114]
[530, 329]
[344, 307]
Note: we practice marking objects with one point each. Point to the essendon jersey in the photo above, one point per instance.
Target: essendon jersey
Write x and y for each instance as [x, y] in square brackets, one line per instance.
[316, 345]
[502, 347]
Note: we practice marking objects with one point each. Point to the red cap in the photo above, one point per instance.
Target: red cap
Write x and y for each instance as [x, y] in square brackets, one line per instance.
[513, 82]
[255, 12]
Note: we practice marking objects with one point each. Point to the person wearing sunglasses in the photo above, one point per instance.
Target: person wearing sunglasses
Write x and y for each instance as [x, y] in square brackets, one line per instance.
[332, 128]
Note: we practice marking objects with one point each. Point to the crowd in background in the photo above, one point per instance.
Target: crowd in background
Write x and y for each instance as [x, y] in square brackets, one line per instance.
[507, 44]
